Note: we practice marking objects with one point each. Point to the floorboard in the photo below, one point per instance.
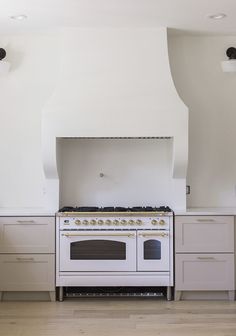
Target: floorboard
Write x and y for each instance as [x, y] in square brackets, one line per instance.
[118, 317]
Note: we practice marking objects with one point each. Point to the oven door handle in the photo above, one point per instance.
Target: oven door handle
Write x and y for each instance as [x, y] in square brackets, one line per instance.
[68, 235]
[159, 234]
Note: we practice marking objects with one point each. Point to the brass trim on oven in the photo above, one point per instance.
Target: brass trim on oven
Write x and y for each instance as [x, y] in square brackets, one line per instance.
[159, 234]
[68, 235]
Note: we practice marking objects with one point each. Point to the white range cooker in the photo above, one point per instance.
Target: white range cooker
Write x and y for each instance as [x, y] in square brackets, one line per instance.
[114, 247]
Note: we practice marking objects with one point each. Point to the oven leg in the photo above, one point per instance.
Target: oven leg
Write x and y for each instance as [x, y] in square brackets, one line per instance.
[168, 294]
[61, 294]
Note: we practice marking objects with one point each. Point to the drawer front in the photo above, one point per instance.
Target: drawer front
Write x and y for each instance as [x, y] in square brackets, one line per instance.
[27, 272]
[204, 234]
[204, 272]
[27, 235]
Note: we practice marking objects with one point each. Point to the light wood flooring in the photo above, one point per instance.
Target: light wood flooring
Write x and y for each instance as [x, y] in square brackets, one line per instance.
[118, 317]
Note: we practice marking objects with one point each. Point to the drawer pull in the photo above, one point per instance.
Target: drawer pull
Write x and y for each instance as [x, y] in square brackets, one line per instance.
[25, 221]
[205, 220]
[24, 259]
[206, 258]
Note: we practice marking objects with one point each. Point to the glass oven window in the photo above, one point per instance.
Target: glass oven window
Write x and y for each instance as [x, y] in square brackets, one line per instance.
[98, 250]
[152, 249]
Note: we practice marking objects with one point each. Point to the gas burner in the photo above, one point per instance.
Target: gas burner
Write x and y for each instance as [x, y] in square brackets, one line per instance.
[140, 209]
[67, 209]
[137, 209]
[87, 209]
[121, 209]
[108, 209]
[163, 208]
[113, 209]
[80, 209]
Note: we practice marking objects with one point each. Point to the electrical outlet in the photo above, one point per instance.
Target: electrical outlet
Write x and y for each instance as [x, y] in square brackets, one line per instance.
[188, 189]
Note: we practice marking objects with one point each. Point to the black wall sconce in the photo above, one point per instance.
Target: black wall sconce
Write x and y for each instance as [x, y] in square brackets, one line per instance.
[4, 65]
[230, 64]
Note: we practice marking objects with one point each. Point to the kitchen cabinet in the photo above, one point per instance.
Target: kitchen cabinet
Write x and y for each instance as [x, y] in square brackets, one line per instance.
[27, 254]
[27, 272]
[204, 254]
[27, 235]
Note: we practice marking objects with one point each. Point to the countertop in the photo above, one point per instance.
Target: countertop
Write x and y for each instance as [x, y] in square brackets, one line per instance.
[206, 212]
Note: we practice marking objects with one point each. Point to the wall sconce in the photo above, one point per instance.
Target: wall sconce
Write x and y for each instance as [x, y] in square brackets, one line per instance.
[4, 65]
[230, 64]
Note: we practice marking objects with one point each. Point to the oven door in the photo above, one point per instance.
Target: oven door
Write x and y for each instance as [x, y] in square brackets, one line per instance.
[95, 251]
[153, 250]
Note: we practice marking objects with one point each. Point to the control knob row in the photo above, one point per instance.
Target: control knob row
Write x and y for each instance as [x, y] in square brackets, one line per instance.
[108, 222]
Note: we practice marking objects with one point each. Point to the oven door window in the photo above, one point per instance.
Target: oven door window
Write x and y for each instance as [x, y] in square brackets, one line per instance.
[152, 249]
[98, 249]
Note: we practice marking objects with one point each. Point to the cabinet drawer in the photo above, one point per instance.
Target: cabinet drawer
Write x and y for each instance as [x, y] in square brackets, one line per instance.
[27, 272]
[204, 234]
[204, 271]
[27, 235]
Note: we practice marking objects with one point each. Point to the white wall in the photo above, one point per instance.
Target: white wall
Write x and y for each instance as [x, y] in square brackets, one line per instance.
[35, 63]
[210, 95]
[23, 92]
[136, 172]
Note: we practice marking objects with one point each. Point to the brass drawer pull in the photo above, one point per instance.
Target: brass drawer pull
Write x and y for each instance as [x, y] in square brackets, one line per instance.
[24, 259]
[25, 221]
[206, 258]
[205, 220]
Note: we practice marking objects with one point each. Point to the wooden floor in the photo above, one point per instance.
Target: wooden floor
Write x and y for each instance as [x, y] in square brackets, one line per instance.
[118, 317]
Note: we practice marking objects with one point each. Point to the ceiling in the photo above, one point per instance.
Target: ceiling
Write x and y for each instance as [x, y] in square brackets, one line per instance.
[189, 16]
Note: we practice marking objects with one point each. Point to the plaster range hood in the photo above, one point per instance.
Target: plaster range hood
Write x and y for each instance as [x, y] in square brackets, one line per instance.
[114, 83]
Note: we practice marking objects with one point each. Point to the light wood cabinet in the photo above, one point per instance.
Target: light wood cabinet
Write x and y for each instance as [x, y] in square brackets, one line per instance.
[27, 254]
[204, 254]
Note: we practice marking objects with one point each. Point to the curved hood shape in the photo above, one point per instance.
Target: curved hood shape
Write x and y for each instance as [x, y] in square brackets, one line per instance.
[113, 83]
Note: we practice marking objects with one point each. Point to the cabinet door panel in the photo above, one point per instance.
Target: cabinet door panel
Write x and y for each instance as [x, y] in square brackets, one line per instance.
[204, 234]
[27, 235]
[27, 272]
[204, 271]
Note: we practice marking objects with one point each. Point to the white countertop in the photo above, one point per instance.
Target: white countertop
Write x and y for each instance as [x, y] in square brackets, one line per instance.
[206, 212]
[26, 212]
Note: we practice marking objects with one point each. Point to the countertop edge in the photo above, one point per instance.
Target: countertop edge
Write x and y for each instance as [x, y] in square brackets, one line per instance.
[26, 212]
[206, 212]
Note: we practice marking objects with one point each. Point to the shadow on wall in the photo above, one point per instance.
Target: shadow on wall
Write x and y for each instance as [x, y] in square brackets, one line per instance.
[14, 57]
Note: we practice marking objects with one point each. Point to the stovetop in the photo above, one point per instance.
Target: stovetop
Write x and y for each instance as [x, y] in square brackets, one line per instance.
[115, 209]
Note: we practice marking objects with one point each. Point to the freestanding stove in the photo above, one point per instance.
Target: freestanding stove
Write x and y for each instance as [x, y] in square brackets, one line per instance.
[114, 246]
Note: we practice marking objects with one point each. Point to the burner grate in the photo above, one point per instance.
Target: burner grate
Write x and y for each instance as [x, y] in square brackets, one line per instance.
[115, 209]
